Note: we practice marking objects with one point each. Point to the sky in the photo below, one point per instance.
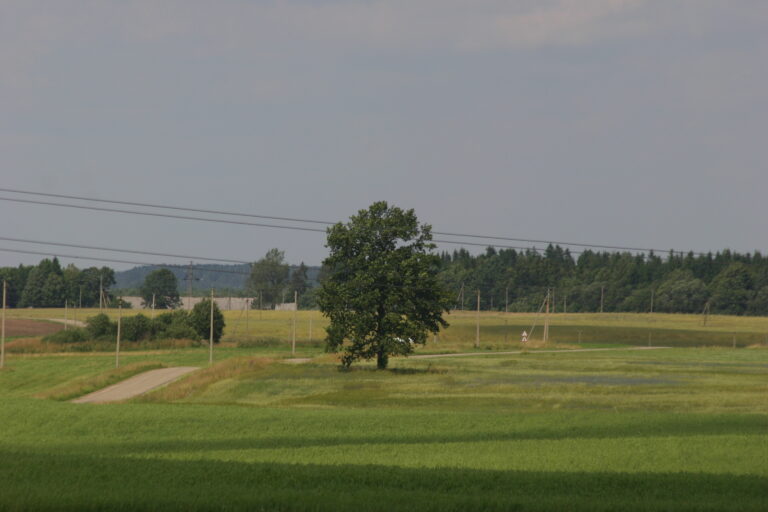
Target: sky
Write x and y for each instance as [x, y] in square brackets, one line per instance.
[620, 122]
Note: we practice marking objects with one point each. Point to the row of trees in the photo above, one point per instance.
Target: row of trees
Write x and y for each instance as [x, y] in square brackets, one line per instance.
[180, 324]
[49, 285]
[730, 283]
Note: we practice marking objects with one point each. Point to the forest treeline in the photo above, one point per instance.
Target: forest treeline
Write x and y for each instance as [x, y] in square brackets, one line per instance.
[49, 285]
[725, 282]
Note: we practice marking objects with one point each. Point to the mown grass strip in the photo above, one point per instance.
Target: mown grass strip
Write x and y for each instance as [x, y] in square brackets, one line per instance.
[201, 380]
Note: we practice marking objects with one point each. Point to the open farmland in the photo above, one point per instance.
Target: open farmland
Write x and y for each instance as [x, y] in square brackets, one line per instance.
[683, 428]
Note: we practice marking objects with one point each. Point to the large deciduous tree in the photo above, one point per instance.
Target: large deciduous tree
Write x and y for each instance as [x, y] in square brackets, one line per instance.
[269, 277]
[381, 291]
[163, 285]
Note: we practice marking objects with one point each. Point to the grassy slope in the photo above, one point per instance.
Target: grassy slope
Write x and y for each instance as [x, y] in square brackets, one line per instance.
[679, 429]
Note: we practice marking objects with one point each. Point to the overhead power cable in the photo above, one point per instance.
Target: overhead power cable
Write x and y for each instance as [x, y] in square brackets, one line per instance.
[165, 207]
[167, 215]
[303, 220]
[131, 251]
[114, 260]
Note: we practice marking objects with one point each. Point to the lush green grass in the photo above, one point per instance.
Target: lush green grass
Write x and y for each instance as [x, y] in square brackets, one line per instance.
[682, 429]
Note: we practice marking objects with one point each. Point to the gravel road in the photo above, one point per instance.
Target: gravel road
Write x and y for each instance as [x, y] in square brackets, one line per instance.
[134, 386]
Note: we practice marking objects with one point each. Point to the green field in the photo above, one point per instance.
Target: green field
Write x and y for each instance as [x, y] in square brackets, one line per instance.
[675, 429]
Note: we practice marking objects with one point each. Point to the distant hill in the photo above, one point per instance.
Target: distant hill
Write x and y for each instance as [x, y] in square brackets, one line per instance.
[205, 277]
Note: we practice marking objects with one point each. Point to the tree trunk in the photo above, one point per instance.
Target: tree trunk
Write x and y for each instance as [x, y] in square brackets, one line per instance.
[382, 359]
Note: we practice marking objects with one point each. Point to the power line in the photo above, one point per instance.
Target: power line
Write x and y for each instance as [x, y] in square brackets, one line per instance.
[166, 215]
[224, 221]
[131, 251]
[293, 219]
[114, 260]
[165, 207]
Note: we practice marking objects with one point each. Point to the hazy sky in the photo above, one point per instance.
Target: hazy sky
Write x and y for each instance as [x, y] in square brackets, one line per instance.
[628, 122]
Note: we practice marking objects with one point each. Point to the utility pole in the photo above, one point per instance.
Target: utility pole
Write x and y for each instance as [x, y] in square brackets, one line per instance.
[653, 293]
[546, 318]
[477, 322]
[2, 329]
[565, 303]
[506, 310]
[66, 315]
[260, 305]
[462, 296]
[706, 313]
[210, 339]
[119, 322]
[247, 307]
[101, 292]
[293, 330]
[602, 297]
[189, 286]
[153, 305]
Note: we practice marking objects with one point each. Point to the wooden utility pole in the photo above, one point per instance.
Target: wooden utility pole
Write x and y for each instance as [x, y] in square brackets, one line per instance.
[653, 293]
[260, 305]
[2, 329]
[546, 318]
[477, 322]
[101, 292]
[506, 310]
[565, 304]
[602, 297]
[189, 286]
[153, 305]
[210, 339]
[119, 324]
[293, 330]
[66, 314]
[247, 307]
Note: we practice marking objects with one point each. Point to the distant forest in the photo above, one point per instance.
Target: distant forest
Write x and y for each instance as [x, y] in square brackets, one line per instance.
[725, 282]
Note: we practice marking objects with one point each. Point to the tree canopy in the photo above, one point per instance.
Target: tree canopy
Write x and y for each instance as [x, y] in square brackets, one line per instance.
[381, 290]
[269, 276]
[163, 286]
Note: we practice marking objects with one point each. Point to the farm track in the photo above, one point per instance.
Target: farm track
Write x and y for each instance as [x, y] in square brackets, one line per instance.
[135, 386]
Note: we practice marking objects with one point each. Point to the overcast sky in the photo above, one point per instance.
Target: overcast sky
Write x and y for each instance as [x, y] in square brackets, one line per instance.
[626, 122]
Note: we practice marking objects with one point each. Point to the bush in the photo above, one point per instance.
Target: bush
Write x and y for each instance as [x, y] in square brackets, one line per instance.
[135, 328]
[200, 320]
[99, 326]
[173, 325]
[75, 335]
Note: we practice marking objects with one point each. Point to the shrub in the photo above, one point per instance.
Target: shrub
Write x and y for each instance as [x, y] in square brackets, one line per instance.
[75, 335]
[200, 320]
[99, 326]
[135, 328]
[263, 341]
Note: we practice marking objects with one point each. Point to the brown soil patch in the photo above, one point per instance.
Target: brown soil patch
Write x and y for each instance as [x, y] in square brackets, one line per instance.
[24, 327]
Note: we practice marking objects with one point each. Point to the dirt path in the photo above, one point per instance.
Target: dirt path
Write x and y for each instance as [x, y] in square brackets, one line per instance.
[136, 385]
[470, 354]
[76, 323]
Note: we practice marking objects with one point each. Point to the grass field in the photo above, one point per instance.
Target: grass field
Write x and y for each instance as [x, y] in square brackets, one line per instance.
[675, 429]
